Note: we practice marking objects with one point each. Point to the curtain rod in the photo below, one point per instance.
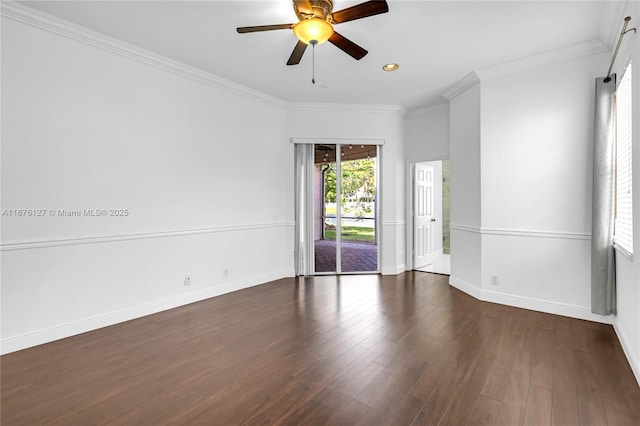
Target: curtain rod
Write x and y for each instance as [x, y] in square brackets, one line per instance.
[615, 53]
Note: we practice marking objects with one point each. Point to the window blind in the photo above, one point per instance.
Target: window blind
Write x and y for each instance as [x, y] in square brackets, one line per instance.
[623, 231]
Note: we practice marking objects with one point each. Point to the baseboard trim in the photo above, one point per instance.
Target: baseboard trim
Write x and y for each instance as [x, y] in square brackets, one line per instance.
[62, 331]
[393, 270]
[632, 357]
[465, 287]
[540, 305]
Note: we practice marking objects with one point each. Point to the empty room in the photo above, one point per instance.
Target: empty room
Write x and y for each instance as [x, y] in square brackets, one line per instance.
[314, 212]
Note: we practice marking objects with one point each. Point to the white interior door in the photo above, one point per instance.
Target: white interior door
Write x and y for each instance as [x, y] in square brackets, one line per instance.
[423, 215]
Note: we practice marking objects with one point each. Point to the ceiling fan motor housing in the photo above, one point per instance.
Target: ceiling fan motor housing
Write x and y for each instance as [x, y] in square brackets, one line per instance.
[318, 8]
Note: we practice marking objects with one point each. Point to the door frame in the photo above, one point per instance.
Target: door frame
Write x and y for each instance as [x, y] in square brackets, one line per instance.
[303, 252]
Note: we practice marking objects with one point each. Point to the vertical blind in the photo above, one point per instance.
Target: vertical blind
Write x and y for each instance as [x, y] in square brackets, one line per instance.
[623, 231]
[304, 255]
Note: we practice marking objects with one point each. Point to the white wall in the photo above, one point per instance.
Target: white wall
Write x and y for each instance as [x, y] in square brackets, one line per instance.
[536, 160]
[536, 147]
[521, 160]
[204, 168]
[464, 116]
[627, 321]
[427, 134]
[334, 123]
[197, 164]
[426, 139]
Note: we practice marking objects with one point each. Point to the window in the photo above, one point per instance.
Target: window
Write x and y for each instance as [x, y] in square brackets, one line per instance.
[623, 231]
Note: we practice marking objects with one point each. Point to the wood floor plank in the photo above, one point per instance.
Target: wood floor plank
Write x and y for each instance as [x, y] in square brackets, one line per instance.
[439, 400]
[366, 350]
[399, 381]
[564, 405]
[407, 409]
[618, 414]
[538, 410]
[496, 382]
[542, 359]
[513, 406]
[467, 394]
[351, 414]
[342, 389]
[590, 408]
[521, 367]
[485, 412]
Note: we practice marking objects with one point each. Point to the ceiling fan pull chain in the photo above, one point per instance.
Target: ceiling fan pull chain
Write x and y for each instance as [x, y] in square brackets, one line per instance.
[313, 61]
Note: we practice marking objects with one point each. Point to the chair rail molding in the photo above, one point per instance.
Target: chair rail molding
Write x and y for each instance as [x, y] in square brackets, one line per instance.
[138, 236]
[522, 232]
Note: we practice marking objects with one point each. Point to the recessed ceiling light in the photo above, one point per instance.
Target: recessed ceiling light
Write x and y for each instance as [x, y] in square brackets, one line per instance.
[391, 67]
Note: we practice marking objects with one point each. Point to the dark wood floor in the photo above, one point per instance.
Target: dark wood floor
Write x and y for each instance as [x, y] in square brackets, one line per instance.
[366, 350]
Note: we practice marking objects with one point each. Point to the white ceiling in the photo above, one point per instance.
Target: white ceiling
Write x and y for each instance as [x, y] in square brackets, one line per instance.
[436, 43]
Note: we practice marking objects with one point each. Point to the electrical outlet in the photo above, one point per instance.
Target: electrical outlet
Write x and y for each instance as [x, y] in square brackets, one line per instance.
[225, 272]
[187, 280]
[494, 280]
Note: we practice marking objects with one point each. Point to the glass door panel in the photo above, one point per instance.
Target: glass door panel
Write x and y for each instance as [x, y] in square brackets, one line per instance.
[358, 247]
[325, 224]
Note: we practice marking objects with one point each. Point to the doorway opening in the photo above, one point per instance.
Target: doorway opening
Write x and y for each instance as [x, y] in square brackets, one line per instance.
[431, 217]
[344, 206]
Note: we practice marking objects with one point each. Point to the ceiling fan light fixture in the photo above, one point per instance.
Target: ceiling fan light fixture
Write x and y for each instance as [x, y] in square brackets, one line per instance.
[313, 29]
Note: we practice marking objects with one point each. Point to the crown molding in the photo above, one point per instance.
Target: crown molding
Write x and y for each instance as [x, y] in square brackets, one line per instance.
[580, 50]
[20, 13]
[44, 21]
[591, 47]
[461, 86]
[398, 110]
[429, 110]
[612, 21]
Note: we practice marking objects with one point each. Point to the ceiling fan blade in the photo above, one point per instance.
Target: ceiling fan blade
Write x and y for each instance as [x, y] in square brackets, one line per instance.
[347, 46]
[303, 6]
[362, 10]
[243, 30]
[297, 53]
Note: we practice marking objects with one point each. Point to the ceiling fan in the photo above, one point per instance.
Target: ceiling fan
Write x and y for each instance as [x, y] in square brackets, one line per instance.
[315, 25]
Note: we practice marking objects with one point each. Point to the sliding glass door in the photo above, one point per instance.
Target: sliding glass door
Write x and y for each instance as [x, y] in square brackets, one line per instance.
[345, 228]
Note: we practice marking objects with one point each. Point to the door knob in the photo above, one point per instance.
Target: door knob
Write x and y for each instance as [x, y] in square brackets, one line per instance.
[433, 219]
